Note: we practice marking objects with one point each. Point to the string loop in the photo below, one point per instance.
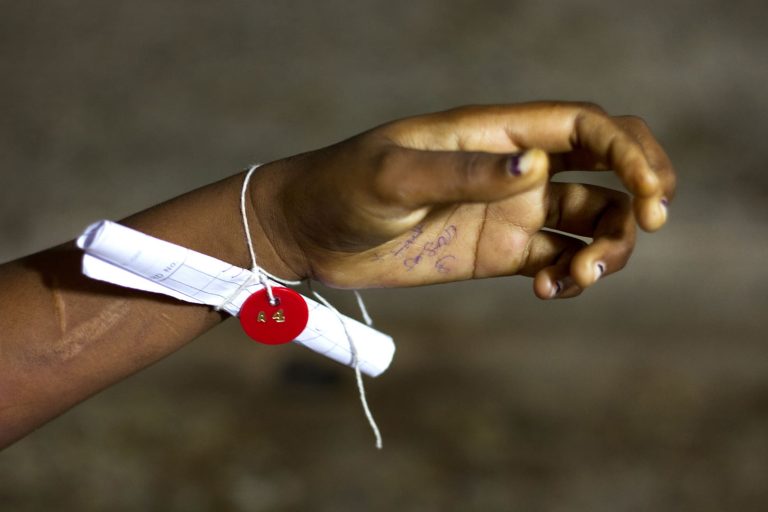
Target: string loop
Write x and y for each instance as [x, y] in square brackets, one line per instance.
[265, 278]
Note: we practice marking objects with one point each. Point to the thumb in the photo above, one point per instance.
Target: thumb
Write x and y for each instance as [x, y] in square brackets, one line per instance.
[413, 178]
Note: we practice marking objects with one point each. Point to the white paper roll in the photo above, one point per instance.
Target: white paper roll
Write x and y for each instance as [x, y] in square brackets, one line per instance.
[126, 257]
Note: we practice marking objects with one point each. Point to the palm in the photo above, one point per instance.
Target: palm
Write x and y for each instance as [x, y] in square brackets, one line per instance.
[450, 243]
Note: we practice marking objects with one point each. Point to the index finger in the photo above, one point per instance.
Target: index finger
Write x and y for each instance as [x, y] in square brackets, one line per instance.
[555, 127]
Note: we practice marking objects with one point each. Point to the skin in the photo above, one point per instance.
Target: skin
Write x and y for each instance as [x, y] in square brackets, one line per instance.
[418, 201]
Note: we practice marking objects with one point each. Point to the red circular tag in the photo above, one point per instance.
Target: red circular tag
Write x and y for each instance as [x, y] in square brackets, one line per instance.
[274, 325]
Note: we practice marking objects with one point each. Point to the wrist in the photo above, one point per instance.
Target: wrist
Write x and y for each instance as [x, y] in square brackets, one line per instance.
[273, 238]
[209, 220]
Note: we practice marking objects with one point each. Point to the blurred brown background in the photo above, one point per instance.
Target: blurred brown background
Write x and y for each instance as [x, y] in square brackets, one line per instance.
[650, 392]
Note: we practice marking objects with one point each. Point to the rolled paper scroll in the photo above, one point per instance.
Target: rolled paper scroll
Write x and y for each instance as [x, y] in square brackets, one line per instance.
[123, 256]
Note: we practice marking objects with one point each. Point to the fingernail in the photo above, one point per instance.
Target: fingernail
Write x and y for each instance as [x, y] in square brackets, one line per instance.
[555, 289]
[522, 163]
[513, 166]
[599, 270]
[664, 207]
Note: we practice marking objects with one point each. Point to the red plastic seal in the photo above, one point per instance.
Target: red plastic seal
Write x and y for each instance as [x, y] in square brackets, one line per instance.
[274, 325]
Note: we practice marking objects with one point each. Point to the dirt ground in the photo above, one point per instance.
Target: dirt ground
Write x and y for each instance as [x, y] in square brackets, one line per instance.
[649, 392]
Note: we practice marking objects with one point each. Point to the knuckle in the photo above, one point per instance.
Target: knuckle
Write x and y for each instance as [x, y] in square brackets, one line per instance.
[387, 158]
[637, 129]
[470, 170]
[624, 253]
[635, 123]
[589, 107]
[387, 174]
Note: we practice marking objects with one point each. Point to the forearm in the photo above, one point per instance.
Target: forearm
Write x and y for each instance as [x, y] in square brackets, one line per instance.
[65, 337]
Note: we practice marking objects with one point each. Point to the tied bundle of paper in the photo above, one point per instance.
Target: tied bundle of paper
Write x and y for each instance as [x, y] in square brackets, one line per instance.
[123, 256]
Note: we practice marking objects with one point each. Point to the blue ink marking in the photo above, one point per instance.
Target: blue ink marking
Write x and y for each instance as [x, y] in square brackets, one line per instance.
[442, 265]
[416, 232]
[430, 249]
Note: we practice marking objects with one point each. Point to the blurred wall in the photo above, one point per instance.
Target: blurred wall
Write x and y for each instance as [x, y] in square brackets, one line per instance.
[649, 392]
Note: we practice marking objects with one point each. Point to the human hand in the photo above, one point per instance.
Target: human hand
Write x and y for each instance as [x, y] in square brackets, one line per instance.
[466, 194]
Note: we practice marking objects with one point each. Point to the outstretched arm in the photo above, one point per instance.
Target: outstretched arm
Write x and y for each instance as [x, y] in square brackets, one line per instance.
[455, 195]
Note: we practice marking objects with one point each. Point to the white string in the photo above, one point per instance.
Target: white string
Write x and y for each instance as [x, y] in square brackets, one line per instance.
[280, 279]
[243, 193]
[264, 278]
[363, 309]
[356, 365]
[254, 267]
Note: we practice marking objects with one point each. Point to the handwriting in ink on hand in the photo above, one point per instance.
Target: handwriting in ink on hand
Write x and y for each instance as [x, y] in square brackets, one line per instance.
[442, 265]
[416, 232]
[431, 249]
